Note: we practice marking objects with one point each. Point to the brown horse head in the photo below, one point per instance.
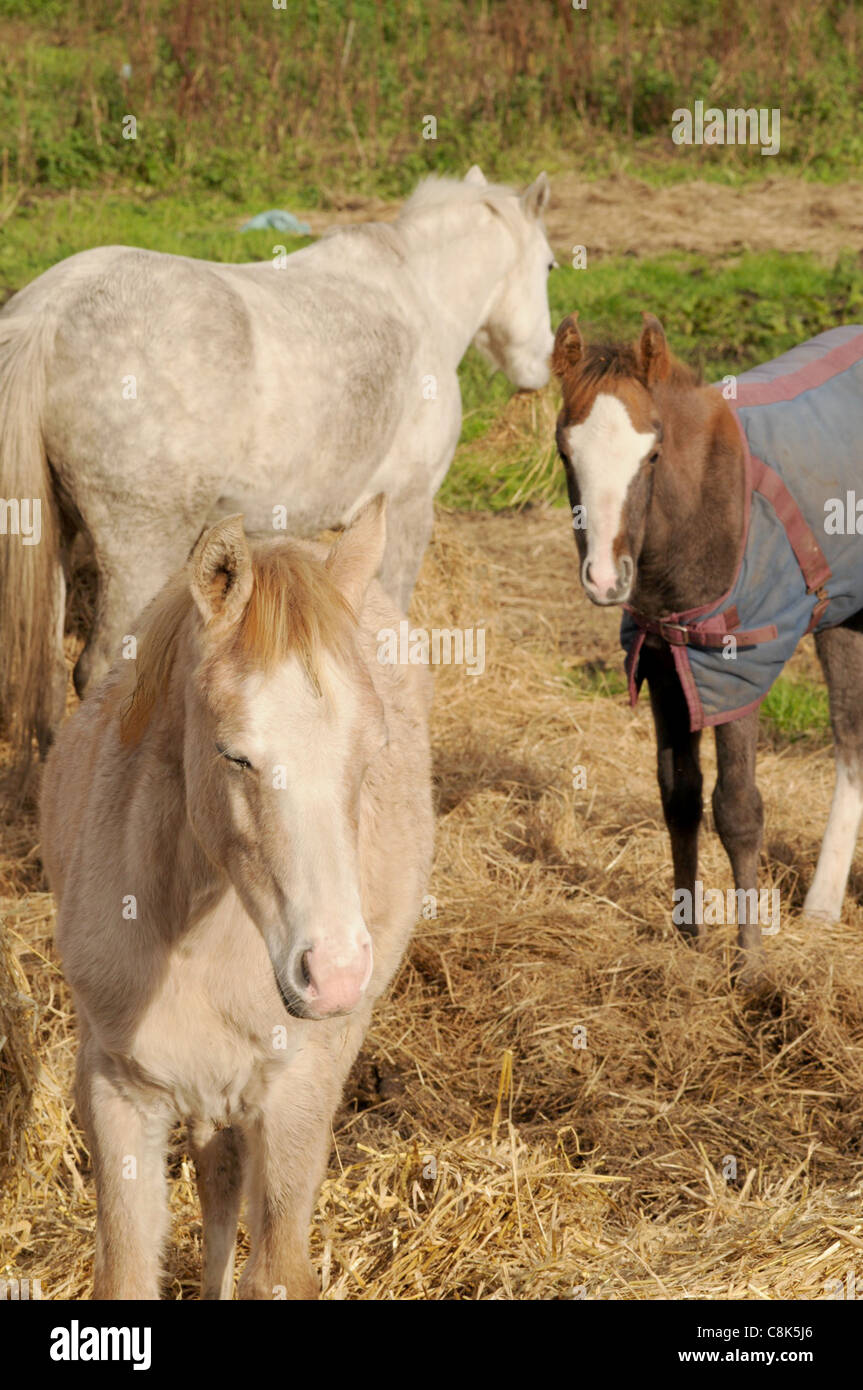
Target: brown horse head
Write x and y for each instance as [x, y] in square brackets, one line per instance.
[655, 470]
[609, 434]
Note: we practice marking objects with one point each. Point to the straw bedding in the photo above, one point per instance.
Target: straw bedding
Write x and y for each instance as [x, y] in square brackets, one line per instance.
[702, 1144]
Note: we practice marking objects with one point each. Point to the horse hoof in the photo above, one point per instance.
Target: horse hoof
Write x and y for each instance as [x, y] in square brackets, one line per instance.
[817, 912]
[749, 970]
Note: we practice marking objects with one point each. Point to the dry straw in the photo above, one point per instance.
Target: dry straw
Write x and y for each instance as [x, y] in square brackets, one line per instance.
[702, 1145]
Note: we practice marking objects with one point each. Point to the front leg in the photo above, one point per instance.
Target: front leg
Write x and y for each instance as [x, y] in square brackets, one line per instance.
[739, 816]
[127, 1144]
[218, 1156]
[678, 771]
[287, 1144]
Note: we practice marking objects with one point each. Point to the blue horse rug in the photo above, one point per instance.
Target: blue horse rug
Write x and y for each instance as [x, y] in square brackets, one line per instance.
[801, 565]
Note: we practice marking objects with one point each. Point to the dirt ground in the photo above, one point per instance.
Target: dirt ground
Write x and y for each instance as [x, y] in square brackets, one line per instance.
[623, 215]
[557, 1099]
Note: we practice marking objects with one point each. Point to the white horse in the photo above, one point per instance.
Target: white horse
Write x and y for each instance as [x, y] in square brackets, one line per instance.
[143, 396]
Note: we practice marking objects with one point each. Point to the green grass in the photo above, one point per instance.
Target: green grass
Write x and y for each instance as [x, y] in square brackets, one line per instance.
[594, 679]
[795, 709]
[722, 316]
[204, 225]
[329, 96]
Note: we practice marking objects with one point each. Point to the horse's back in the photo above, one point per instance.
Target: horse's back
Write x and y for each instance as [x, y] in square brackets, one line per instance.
[228, 379]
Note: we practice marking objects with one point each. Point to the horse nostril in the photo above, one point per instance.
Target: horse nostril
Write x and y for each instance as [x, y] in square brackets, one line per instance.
[624, 570]
[303, 975]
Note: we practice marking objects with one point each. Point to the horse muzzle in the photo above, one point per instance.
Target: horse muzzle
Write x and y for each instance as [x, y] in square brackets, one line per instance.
[608, 588]
[327, 978]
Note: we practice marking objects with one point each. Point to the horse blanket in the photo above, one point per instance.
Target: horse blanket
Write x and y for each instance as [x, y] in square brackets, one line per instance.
[801, 562]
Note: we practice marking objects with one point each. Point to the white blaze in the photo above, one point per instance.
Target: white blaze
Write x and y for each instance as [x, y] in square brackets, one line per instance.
[308, 738]
[606, 450]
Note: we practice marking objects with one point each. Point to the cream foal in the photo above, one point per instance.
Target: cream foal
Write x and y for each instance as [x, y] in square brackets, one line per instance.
[238, 828]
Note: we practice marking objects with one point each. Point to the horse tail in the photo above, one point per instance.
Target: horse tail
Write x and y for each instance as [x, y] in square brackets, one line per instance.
[29, 552]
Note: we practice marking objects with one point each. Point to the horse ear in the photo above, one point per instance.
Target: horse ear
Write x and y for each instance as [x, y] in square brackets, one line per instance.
[356, 555]
[535, 199]
[221, 566]
[475, 176]
[568, 346]
[653, 350]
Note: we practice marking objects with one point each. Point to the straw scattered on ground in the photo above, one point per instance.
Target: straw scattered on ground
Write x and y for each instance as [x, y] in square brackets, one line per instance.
[701, 1144]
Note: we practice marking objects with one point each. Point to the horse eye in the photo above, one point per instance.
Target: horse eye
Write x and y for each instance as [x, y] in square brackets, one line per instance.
[237, 761]
[654, 457]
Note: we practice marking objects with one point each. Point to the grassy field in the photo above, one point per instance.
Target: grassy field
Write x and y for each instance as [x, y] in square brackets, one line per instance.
[320, 98]
[248, 106]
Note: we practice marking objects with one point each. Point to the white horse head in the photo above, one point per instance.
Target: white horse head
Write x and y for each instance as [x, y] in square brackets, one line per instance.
[482, 252]
[516, 333]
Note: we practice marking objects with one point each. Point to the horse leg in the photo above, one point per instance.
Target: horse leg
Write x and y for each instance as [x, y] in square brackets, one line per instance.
[127, 1147]
[127, 582]
[678, 772]
[840, 651]
[218, 1160]
[739, 816]
[288, 1147]
[410, 520]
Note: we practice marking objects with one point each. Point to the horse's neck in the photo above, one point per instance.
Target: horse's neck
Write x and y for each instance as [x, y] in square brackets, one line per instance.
[459, 261]
[697, 510]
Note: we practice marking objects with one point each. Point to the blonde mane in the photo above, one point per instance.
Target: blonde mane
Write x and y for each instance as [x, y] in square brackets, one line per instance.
[294, 609]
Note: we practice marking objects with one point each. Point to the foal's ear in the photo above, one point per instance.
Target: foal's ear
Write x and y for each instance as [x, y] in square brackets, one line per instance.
[222, 572]
[568, 346]
[356, 556]
[653, 350]
[535, 198]
[475, 176]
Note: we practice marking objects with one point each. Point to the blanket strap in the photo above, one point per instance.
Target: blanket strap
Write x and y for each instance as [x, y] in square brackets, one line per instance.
[809, 555]
[714, 632]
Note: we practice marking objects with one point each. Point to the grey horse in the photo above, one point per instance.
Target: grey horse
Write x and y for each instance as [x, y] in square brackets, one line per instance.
[144, 396]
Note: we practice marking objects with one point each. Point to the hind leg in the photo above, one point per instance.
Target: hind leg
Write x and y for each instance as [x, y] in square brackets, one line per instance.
[840, 651]
[218, 1159]
[739, 816]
